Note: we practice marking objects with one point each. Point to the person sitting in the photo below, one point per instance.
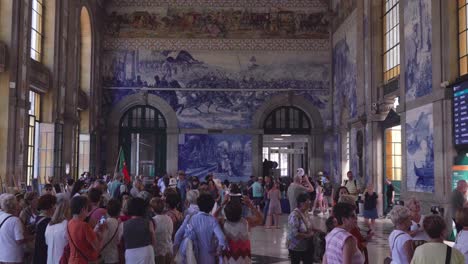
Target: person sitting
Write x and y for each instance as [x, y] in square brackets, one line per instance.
[204, 227]
[341, 246]
[400, 242]
[436, 251]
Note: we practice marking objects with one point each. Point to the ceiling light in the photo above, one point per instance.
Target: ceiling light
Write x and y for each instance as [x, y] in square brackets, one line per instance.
[278, 139]
[285, 135]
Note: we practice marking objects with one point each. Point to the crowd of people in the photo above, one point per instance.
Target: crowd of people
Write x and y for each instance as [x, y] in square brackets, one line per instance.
[185, 220]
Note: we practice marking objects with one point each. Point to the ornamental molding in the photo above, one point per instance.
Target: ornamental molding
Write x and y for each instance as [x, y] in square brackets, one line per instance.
[321, 46]
[311, 4]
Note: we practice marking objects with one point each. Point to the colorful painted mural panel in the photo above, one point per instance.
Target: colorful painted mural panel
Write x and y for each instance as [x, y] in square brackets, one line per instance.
[217, 23]
[420, 149]
[226, 156]
[418, 48]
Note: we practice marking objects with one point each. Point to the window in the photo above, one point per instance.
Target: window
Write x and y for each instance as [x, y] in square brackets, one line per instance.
[36, 29]
[391, 39]
[462, 37]
[347, 155]
[393, 153]
[84, 158]
[287, 120]
[33, 136]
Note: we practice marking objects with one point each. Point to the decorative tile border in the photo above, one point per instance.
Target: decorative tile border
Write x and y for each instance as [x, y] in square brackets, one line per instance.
[319, 45]
[224, 3]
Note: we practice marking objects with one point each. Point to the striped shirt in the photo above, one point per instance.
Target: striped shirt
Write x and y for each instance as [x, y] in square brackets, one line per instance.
[334, 247]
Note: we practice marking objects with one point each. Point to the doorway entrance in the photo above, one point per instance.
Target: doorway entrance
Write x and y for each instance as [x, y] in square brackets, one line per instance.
[286, 141]
[392, 163]
[142, 137]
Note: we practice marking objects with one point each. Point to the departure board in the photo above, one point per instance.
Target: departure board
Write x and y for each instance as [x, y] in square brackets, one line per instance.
[460, 113]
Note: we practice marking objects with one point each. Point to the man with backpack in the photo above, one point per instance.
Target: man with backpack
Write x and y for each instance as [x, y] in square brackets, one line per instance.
[353, 187]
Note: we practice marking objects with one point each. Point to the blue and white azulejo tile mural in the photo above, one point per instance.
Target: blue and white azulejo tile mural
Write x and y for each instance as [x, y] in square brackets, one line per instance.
[418, 48]
[226, 156]
[344, 69]
[217, 89]
[420, 149]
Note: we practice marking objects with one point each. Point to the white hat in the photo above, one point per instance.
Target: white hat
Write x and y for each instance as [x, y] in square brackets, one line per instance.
[300, 172]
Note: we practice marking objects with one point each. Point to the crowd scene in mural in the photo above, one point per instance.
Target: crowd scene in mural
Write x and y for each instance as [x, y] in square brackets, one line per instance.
[201, 219]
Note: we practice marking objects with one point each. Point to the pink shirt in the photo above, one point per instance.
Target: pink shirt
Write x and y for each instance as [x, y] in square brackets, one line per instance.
[334, 247]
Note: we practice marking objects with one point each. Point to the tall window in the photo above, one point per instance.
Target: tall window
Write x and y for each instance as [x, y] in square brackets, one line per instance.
[37, 29]
[462, 37]
[347, 154]
[393, 153]
[33, 136]
[391, 40]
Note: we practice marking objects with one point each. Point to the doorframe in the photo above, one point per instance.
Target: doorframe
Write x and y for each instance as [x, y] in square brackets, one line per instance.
[142, 99]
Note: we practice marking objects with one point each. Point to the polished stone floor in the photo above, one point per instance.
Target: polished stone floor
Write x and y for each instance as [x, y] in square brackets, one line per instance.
[268, 245]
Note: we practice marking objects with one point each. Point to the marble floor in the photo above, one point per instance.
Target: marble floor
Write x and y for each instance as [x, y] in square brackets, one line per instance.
[268, 245]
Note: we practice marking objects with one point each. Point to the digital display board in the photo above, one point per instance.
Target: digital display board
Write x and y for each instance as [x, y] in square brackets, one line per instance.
[460, 114]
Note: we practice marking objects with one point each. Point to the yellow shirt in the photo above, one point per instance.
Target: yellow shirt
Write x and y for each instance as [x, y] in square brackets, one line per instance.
[436, 253]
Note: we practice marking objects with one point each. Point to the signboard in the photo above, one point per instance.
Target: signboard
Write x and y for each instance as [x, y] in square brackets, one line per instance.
[288, 151]
[459, 172]
[460, 113]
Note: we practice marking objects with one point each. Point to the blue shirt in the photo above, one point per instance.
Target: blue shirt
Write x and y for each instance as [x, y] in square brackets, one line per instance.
[182, 186]
[257, 190]
[205, 227]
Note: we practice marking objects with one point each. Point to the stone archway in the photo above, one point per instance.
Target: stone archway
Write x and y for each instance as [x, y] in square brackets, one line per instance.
[142, 98]
[316, 149]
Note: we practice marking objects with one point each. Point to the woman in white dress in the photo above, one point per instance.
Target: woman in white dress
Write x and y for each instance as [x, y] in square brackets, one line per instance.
[56, 232]
[163, 232]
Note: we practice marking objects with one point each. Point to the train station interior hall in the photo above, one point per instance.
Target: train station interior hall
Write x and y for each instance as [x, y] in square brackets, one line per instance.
[239, 88]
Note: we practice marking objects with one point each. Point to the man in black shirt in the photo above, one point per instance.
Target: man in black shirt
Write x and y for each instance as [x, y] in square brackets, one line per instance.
[390, 195]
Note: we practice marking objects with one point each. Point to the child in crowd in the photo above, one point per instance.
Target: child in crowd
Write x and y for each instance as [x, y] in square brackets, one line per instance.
[370, 206]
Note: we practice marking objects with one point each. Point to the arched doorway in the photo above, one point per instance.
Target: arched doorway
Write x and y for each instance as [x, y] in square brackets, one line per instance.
[142, 138]
[287, 132]
[295, 126]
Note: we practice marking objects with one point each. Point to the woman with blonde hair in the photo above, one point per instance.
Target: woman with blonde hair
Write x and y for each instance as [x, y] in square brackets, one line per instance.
[56, 232]
[416, 230]
[11, 231]
[401, 244]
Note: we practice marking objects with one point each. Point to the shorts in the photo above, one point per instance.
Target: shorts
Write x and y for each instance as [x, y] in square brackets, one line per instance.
[371, 214]
[257, 200]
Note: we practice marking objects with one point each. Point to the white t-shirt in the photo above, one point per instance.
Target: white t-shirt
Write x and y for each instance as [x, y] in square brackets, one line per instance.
[421, 235]
[110, 254]
[396, 241]
[163, 235]
[461, 243]
[11, 231]
[56, 238]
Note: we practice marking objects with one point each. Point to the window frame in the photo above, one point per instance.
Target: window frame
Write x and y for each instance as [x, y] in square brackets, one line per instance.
[394, 50]
[462, 7]
[37, 32]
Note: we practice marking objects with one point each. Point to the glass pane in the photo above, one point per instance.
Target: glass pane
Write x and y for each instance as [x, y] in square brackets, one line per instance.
[463, 66]
[462, 19]
[462, 43]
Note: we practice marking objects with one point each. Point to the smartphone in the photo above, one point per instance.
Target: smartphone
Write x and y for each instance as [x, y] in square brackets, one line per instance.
[102, 220]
